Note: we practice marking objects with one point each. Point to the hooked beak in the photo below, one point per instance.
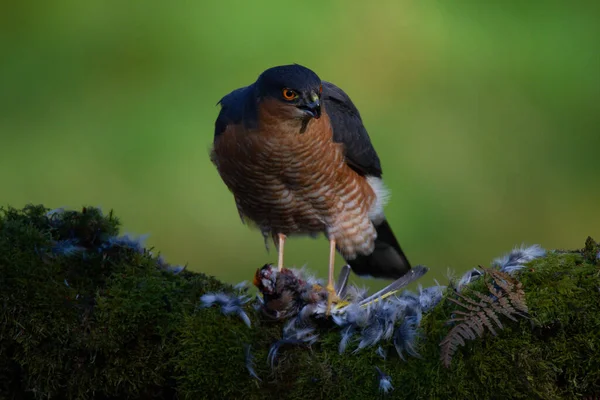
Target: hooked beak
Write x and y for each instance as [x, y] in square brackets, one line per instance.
[312, 106]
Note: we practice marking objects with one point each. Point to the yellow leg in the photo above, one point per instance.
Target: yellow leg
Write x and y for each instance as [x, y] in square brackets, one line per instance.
[280, 250]
[330, 288]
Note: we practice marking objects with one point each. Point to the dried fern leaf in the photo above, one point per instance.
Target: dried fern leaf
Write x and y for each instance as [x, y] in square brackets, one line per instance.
[477, 323]
[492, 315]
[505, 297]
[511, 286]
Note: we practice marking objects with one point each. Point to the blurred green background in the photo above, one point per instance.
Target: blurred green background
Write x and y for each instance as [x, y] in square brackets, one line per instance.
[485, 115]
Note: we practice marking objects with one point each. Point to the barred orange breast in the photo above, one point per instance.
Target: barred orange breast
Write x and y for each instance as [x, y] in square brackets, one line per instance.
[296, 183]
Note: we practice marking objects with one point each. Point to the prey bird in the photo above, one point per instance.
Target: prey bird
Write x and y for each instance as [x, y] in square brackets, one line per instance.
[294, 152]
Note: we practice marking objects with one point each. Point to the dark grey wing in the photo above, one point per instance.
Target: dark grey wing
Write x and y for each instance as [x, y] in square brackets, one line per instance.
[387, 260]
[237, 107]
[348, 129]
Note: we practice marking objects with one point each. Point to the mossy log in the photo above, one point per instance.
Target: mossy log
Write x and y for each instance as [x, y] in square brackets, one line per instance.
[86, 314]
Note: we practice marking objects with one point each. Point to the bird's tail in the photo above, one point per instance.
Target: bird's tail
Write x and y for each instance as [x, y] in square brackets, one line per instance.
[386, 261]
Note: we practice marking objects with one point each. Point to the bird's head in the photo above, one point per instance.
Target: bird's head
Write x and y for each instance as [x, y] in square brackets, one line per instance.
[297, 89]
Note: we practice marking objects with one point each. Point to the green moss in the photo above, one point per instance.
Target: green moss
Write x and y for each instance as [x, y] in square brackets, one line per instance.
[591, 251]
[104, 320]
[99, 321]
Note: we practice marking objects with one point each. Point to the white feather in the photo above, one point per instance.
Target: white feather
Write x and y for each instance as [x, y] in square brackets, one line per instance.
[382, 195]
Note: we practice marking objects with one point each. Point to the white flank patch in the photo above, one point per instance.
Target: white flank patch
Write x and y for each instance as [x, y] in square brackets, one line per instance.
[382, 195]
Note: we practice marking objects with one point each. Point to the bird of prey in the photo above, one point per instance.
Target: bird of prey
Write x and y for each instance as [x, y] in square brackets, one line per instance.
[298, 160]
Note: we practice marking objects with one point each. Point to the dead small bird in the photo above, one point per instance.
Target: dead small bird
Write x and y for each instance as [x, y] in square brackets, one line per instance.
[285, 293]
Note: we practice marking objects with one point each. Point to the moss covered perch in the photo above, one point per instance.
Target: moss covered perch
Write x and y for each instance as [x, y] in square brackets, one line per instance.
[86, 313]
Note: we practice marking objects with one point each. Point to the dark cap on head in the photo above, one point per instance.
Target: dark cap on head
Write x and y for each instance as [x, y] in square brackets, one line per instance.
[295, 85]
[292, 76]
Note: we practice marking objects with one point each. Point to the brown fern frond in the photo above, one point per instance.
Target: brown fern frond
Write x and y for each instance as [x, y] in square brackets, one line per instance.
[471, 305]
[505, 297]
[504, 307]
[511, 286]
[492, 315]
[486, 298]
[454, 339]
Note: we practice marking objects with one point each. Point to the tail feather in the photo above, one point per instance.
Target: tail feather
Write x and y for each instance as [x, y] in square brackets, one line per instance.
[387, 261]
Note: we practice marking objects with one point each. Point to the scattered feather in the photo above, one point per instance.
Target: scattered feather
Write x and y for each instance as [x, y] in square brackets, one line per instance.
[127, 241]
[385, 381]
[274, 350]
[411, 276]
[370, 335]
[342, 282]
[242, 286]
[406, 336]
[55, 212]
[54, 216]
[355, 293]
[468, 277]
[295, 332]
[230, 304]
[67, 247]
[515, 260]
[347, 333]
[163, 265]
[250, 362]
[175, 269]
[381, 352]
[430, 297]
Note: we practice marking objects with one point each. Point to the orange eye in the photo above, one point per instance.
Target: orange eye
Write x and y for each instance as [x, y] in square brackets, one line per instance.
[289, 94]
[320, 89]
